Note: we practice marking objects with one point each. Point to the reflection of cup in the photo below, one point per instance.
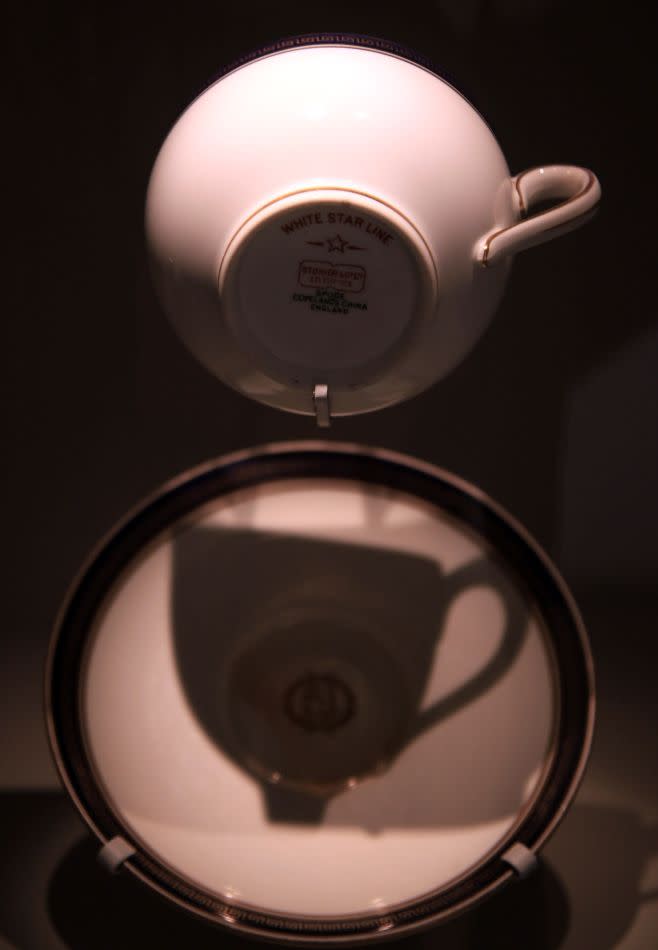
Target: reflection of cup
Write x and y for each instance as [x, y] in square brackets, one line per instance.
[307, 660]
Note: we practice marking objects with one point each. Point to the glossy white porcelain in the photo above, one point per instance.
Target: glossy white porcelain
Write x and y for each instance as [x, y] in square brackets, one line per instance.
[456, 787]
[338, 216]
[320, 693]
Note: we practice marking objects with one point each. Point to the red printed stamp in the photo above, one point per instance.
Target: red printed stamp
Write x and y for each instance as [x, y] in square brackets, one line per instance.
[346, 277]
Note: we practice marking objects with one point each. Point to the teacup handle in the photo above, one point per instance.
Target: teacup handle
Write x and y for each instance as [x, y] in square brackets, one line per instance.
[580, 190]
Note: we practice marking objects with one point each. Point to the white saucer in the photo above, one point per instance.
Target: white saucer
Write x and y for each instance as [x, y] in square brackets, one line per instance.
[291, 780]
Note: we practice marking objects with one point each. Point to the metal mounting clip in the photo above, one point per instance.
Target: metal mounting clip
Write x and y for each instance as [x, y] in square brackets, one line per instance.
[114, 852]
[321, 403]
[521, 859]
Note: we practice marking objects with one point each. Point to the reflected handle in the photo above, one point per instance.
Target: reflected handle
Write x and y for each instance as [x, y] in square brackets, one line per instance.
[580, 192]
[478, 574]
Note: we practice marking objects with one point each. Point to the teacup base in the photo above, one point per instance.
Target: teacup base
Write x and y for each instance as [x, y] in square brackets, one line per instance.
[326, 286]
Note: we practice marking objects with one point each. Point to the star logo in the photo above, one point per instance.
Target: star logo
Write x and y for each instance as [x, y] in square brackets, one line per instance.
[337, 244]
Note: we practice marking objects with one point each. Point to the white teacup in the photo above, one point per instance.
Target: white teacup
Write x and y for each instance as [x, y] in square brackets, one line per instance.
[331, 224]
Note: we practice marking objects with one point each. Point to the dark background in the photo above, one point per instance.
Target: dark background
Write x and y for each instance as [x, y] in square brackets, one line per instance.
[554, 413]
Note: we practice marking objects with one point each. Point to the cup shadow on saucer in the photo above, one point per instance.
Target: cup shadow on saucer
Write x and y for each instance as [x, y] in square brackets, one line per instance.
[305, 661]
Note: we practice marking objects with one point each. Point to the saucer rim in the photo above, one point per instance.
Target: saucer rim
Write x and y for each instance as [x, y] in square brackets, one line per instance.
[342, 461]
